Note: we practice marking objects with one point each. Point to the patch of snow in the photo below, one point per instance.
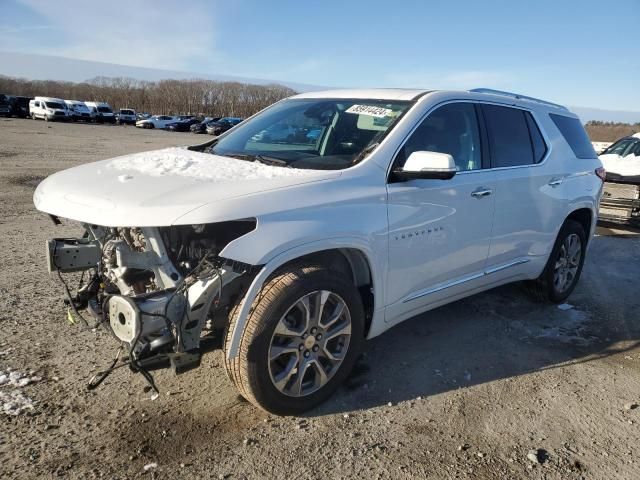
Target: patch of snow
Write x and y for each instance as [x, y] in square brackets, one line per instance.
[16, 379]
[14, 402]
[202, 166]
[565, 306]
[150, 466]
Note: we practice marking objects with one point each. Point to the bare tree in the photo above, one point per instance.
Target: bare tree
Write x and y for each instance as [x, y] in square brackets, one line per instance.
[195, 96]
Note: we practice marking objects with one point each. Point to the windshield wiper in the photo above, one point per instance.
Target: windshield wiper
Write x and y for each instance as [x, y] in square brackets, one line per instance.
[364, 153]
[275, 162]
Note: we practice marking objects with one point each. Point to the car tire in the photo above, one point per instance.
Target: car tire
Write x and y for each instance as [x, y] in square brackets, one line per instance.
[563, 269]
[252, 371]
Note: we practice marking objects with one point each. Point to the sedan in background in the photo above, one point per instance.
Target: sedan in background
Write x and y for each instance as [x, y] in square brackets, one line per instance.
[183, 125]
[222, 125]
[202, 126]
[157, 121]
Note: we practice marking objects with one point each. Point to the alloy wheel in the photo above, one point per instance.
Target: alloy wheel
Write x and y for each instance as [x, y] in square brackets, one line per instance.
[568, 262]
[309, 343]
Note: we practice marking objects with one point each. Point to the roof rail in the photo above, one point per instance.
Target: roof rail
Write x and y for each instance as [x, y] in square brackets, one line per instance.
[517, 96]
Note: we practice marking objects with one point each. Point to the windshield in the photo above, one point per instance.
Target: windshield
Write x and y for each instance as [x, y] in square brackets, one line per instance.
[104, 110]
[319, 134]
[621, 147]
[53, 105]
[126, 112]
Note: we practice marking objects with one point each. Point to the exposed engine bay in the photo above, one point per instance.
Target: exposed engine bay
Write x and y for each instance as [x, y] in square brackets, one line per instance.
[154, 289]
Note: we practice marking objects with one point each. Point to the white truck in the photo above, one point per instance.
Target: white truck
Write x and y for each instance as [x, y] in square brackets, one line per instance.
[101, 112]
[295, 253]
[78, 110]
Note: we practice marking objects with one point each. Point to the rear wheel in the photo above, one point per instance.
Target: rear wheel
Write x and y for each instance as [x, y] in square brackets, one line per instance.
[564, 266]
[302, 337]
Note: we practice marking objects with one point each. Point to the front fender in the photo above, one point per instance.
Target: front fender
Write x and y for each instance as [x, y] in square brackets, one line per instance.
[377, 264]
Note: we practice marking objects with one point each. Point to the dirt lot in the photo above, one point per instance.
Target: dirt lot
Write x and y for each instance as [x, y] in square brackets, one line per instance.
[465, 391]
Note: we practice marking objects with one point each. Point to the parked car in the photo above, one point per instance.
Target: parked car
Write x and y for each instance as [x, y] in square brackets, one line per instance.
[157, 121]
[622, 160]
[78, 110]
[101, 112]
[183, 125]
[202, 126]
[412, 199]
[48, 108]
[142, 116]
[5, 105]
[621, 197]
[127, 116]
[19, 106]
[222, 125]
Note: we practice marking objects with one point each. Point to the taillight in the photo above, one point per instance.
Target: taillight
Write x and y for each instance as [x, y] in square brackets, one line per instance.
[601, 173]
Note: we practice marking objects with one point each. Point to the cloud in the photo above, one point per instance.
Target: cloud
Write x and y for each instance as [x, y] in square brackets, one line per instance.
[157, 34]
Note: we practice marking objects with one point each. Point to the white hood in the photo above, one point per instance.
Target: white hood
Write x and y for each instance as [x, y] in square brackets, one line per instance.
[628, 166]
[157, 188]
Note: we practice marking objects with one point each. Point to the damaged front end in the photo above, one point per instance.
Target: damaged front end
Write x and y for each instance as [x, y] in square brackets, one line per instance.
[156, 289]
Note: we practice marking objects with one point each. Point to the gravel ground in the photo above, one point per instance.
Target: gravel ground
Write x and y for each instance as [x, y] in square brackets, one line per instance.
[494, 386]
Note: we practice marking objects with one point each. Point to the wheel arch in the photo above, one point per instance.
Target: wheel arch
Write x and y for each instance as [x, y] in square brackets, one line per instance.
[586, 217]
[349, 256]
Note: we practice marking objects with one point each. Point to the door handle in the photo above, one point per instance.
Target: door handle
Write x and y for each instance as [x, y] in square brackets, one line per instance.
[555, 182]
[481, 192]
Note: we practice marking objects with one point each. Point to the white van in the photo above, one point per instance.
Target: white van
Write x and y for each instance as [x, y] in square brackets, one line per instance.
[49, 108]
[78, 110]
[101, 112]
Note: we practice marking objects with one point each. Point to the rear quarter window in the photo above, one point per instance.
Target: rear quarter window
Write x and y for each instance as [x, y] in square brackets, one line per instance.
[573, 132]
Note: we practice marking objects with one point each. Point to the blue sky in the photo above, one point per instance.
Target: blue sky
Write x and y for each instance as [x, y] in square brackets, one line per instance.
[573, 52]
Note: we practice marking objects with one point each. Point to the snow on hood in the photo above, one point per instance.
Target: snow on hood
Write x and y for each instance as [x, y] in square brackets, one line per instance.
[628, 166]
[157, 188]
[197, 165]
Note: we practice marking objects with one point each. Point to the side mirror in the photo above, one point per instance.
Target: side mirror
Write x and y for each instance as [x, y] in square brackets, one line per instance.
[427, 165]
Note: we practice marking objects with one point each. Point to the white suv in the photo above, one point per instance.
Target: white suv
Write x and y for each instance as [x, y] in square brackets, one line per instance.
[297, 251]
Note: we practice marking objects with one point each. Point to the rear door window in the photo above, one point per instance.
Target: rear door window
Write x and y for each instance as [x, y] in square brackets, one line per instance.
[573, 132]
[509, 139]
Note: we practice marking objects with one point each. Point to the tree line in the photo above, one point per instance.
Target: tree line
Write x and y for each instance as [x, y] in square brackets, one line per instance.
[610, 131]
[164, 97]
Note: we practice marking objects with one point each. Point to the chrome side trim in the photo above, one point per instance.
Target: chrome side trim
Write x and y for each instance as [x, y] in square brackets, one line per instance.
[499, 268]
[429, 291]
[460, 281]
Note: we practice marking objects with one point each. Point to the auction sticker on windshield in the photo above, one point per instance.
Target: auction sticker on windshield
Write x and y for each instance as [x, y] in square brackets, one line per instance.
[369, 110]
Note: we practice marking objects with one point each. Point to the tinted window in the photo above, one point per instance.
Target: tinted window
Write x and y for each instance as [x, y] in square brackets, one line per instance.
[539, 145]
[451, 129]
[573, 132]
[509, 138]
